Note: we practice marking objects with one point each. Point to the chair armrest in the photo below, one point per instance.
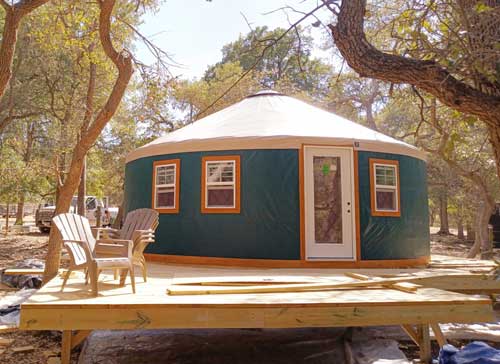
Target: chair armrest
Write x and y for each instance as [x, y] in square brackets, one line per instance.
[120, 247]
[104, 230]
[79, 242]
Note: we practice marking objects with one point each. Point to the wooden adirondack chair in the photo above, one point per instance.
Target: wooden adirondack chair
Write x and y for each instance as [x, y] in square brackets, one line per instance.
[139, 226]
[83, 251]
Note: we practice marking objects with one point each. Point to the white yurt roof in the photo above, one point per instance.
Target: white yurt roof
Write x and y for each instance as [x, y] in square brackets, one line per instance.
[270, 120]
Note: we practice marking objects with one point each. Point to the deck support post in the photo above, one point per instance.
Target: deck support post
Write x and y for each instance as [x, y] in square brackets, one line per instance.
[424, 341]
[66, 347]
[70, 340]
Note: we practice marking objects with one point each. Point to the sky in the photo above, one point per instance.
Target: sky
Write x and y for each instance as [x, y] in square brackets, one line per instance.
[193, 32]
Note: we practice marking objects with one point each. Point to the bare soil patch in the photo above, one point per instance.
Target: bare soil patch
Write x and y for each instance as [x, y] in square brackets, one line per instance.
[16, 248]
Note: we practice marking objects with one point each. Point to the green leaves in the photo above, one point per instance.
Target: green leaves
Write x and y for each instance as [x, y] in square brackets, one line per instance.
[482, 7]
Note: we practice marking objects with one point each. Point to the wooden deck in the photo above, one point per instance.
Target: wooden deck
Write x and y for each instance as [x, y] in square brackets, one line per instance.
[151, 307]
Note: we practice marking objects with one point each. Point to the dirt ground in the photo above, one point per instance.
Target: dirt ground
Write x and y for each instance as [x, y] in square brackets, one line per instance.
[16, 248]
[450, 245]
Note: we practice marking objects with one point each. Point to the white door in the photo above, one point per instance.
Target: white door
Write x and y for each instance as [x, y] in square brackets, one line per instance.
[329, 203]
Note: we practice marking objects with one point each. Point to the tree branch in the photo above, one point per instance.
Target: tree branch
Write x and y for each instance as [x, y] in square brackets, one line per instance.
[429, 76]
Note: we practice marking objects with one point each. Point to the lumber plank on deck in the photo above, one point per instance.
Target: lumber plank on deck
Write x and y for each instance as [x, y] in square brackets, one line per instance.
[268, 288]
[21, 271]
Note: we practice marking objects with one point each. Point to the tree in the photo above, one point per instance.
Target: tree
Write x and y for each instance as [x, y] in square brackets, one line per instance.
[463, 76]
[122, 60]
[14, 13]
[355, 97]
[461, 178]
[200, 98]
[462, 146]
[290, 59]
[279, 59]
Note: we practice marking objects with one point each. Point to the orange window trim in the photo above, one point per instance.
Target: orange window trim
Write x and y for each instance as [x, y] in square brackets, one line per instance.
[237, 184]
[175, 209]
[374, 211]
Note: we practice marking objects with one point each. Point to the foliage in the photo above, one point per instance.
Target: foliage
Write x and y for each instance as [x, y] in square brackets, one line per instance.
[288, 59]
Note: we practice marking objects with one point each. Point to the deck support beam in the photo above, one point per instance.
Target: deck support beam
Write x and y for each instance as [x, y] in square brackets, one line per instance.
[438, 334]
[412, 333]
[424, 341]
[70, 340]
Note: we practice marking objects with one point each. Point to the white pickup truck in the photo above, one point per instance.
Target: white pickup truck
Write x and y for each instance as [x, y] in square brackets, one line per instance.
[44, 214]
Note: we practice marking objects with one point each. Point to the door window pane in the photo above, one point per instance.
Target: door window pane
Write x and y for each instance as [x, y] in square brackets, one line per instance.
[327, 200]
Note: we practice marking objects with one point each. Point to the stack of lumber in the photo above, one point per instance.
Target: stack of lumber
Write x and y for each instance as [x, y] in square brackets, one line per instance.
[357, 281]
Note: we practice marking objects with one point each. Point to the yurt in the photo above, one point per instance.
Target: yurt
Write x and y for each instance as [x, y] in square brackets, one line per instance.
[272, 181]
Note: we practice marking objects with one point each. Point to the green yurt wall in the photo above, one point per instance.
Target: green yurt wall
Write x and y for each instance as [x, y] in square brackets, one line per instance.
[268, 226]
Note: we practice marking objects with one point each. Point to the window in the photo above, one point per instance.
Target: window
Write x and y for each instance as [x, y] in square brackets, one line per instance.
[166, 176]
[220, 184]
[384, 182]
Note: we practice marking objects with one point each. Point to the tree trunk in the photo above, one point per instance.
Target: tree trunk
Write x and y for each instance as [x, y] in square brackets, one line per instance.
[7, 49]
[443, 214]
[486, 241]
[471, 233]
[460, 229]
[370, 120]
[82, 190]
[63, 204]
[117, 224]
[494, 136]
[13, 14]
[482, 243]
[7, 208]
[98, 216]
[20, 210]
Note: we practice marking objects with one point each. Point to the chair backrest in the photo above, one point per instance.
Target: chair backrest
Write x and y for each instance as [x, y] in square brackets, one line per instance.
[141, 241]
[75, 227]
[140, 219]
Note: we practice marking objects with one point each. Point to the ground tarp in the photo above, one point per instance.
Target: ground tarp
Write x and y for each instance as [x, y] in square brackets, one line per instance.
[476, 352]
